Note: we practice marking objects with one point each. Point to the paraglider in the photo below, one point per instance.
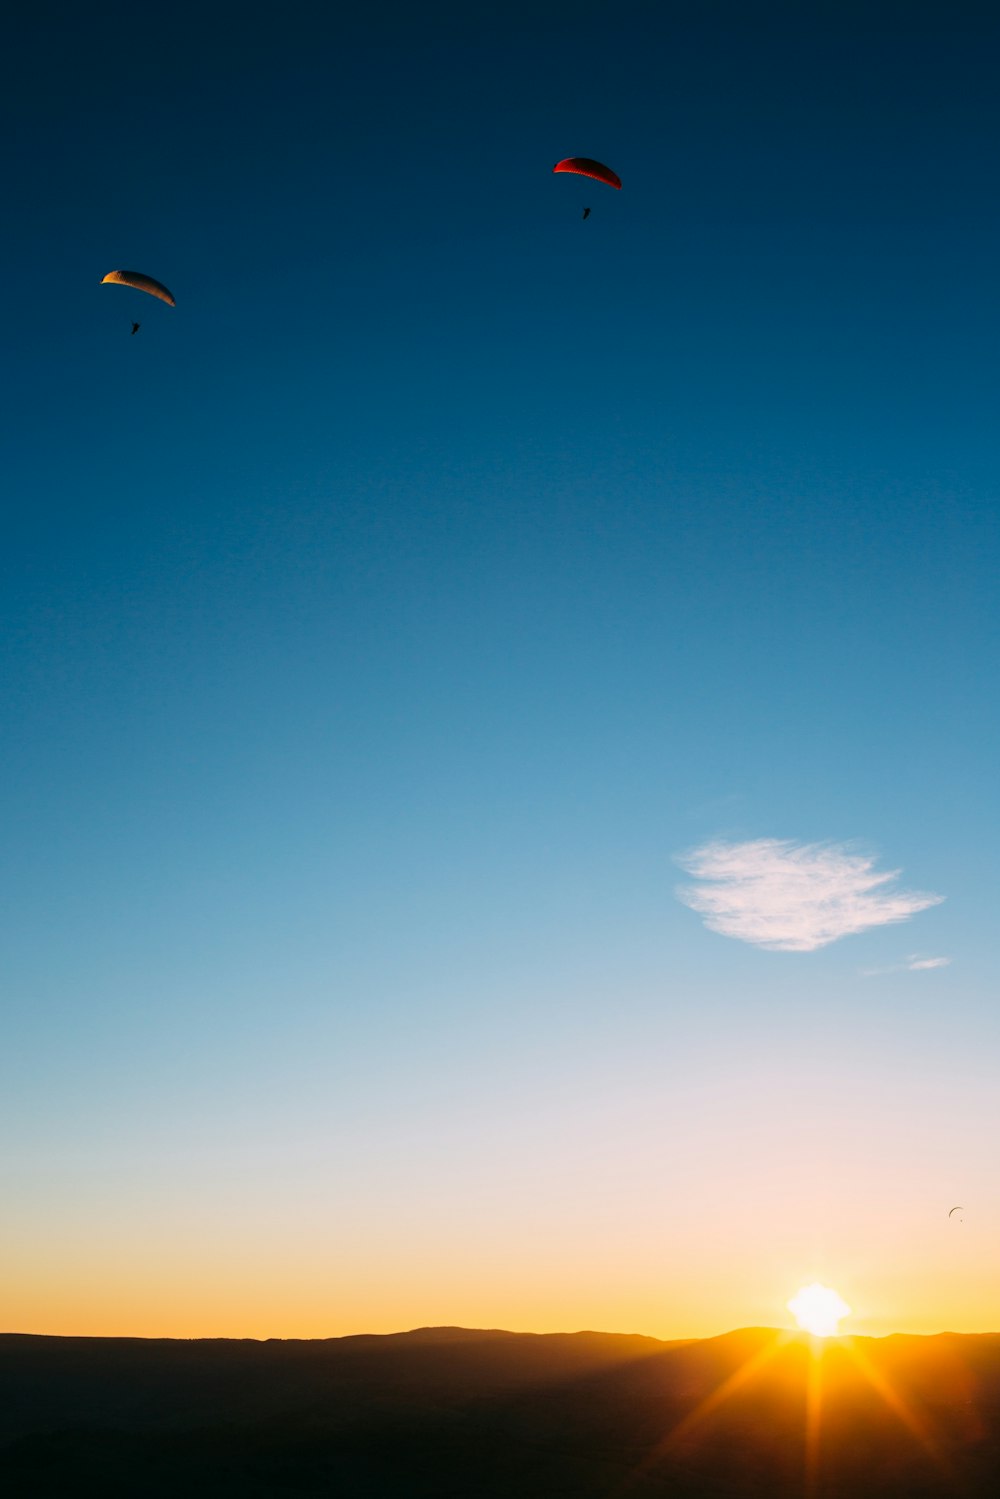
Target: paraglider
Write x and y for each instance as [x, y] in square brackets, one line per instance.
[584, 166]
[140, 282]
[957, 1210]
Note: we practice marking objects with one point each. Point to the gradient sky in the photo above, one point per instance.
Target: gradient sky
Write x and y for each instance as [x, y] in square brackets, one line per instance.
[385, 627]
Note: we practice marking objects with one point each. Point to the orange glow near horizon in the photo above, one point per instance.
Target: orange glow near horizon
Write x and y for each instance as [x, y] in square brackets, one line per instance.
[206, 1302]
[146, 1276]
[595, 1209]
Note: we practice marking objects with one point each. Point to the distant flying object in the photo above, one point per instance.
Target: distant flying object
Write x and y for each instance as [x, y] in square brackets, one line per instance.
[140, 282]
[957, 1210]
[586, 213]
[135, 328]
[583, 166]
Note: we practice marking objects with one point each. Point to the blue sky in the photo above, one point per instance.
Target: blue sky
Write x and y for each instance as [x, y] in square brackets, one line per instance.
[381, 625]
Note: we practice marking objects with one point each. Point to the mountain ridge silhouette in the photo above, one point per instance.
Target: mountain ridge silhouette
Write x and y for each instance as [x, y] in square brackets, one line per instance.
[453, 1413]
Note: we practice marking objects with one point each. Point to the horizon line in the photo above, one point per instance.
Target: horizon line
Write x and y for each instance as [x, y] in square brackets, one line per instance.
[789, 1333]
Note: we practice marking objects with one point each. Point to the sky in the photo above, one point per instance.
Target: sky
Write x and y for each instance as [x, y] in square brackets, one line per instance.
[499, 718]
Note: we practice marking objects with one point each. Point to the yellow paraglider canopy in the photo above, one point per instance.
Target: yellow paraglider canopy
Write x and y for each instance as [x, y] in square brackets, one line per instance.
[141, 283]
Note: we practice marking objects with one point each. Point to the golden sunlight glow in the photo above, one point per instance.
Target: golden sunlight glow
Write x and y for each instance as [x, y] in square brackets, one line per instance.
[817, 1309]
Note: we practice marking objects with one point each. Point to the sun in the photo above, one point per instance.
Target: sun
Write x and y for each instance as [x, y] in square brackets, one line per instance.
[817, 1309]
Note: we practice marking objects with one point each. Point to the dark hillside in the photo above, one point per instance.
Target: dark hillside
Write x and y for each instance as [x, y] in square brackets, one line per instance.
[448, 1412]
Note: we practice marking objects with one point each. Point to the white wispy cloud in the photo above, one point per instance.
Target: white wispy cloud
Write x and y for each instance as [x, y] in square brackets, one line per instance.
[913, 964]
[795, 897]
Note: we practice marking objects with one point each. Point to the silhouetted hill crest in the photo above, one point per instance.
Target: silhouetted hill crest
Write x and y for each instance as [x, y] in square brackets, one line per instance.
[450, 1413]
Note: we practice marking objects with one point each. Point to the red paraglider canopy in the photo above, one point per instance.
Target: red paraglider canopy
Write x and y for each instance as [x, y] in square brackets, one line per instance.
[584, 167]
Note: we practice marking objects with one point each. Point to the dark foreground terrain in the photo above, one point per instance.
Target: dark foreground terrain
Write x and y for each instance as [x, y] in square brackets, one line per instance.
[445, 1413]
